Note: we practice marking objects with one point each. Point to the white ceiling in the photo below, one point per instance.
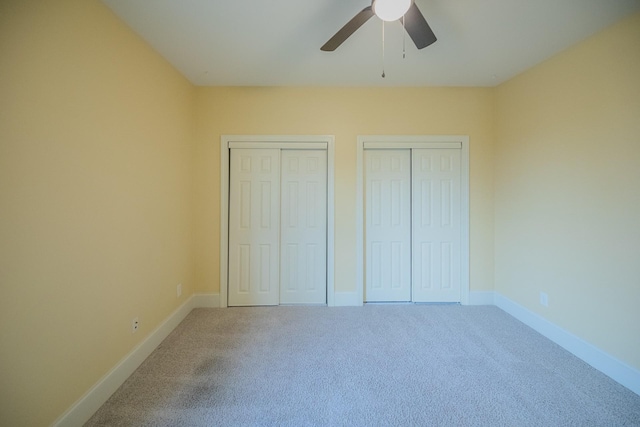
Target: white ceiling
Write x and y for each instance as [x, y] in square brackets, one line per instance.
[277, 42]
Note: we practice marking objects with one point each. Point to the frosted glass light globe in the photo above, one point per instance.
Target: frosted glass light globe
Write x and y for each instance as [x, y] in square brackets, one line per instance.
[391, 10]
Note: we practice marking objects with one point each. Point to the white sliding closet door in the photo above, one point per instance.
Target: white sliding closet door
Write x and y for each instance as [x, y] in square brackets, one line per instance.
[254, 227]
[303, 232]
[388, 225]
[436, 236]
[277, 226]
[413, 224]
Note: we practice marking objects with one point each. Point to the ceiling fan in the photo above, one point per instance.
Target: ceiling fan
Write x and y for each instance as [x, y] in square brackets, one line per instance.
[387, 10]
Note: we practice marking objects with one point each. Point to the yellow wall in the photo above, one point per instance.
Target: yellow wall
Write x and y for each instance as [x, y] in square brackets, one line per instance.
[95, 200]
[345, 113]
[567, 190]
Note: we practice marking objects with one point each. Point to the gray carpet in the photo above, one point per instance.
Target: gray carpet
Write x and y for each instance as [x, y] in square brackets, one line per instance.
[400, 365]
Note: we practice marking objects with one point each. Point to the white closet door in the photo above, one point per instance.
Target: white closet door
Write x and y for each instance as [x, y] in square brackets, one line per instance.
[303, 231]
[436, 225]
[387, 225]
[254, 227]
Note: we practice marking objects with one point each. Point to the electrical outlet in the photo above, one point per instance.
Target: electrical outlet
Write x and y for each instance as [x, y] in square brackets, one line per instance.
[544, 299]
[179, 289]
[135, 324]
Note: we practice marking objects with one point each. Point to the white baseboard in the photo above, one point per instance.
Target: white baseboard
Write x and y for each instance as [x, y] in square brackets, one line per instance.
[97, 395]
[619, 371]
[347, 299]
[206, 300]
[481, 298]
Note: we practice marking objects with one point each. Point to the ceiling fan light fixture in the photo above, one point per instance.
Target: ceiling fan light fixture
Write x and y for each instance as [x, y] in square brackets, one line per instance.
[390, 10]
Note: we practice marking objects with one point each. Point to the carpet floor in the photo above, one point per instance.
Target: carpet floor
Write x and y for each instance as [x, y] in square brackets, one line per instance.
[377, 365]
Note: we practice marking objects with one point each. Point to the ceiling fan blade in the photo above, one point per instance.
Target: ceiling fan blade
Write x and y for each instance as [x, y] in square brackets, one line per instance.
[349, 28]
[417, 27]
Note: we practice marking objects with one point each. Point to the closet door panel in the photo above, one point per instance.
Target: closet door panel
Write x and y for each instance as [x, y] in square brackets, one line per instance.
[303, 227]
[387, 225]
[254, 227]
[436, 221]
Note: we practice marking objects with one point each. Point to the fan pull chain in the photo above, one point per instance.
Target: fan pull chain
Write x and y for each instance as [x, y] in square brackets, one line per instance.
[383, 75]
[404, 36]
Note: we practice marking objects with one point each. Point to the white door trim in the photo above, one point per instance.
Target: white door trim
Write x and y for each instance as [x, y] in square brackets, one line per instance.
[274, 141]
[421, 141]
[311, 145]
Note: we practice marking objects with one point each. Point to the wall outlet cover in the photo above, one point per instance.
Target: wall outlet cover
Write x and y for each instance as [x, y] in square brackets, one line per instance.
[544, 299]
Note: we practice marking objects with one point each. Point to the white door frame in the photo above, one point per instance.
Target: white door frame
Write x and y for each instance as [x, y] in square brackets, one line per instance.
[422, 141]
[274, 141]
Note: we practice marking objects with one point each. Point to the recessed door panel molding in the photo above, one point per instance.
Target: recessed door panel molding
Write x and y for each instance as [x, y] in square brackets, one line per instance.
[388, 225]
[438, 209]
